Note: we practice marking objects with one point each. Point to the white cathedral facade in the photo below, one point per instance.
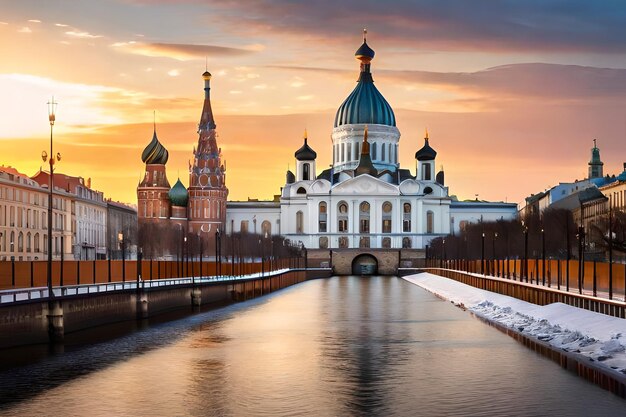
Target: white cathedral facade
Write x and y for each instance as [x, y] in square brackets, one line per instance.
[365, 200]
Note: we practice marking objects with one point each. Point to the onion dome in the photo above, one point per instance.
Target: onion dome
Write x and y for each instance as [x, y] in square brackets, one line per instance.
[206, 75]
[291, 178]
[365, 105]
[365, 161]
[155, 153]
[426, 153]
[178, 195]
[305, 153]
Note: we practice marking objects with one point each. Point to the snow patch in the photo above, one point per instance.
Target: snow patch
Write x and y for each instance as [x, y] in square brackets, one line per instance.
[596, 336]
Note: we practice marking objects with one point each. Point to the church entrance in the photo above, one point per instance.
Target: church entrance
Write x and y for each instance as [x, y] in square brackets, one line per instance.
[364, 264]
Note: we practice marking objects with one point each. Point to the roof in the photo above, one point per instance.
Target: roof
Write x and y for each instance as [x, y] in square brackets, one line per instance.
[178, 194]
[575, 200]
[426, 153]
[155, 153]
[305, 153]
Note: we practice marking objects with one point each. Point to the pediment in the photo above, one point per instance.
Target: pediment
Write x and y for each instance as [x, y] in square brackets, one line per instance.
[365, 184]
[320, 187]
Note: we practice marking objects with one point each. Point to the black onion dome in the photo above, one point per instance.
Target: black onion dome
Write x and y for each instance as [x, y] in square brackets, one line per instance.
[155, 153]
[364, 51]
[305, 153]
[179, 196]
[426, 153]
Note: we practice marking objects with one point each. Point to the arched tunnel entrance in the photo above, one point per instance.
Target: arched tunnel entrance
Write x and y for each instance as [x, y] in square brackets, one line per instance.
[365, 264]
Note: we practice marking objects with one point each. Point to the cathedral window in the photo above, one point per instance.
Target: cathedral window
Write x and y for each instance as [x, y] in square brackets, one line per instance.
[373, 151]
[430, 222]
[20, 242]
[299, 222]
[343, 152]
[364, 217]
[342, 217]
[390, 156]
[406, 217]
[382, 152]
[266, 228]
[349, 146]
[386, 242]
[356, 151]
[244, 226]
[386, 218]
[364, 242]
[323, 243]
[343, 241]
[322, 217]
[301, 190]
[406, 242]
[306, 175]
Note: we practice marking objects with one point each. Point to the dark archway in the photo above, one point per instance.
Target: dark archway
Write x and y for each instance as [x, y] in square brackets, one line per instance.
[364, 264]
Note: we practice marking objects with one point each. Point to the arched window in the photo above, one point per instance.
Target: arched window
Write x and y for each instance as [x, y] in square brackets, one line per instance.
[364, 242]
[343, 152]
[323, 242]
[306, 175]
[343, 242]
[389, 152]
[342, 217]
[20, 242]
[364, 218]
[301, 190]
[322, 217]
[349, 145]
[373, 151]
[28, 242]
[382, 151]
[406, 217]
[430, 222]
[266, 228]
[386, 242]
[406, 242]
[243, 228]
[386, 218]
[356, 151]
[299, 222]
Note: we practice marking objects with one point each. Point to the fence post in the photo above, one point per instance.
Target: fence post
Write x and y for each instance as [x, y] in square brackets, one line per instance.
[595, 293]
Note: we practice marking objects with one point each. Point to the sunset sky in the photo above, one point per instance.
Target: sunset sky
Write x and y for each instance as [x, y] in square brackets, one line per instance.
[512, 92]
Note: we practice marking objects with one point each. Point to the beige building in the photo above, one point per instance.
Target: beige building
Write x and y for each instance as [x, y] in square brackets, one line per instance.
[24, 219]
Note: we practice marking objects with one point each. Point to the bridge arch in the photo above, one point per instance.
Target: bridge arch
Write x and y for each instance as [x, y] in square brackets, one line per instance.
[365, 264]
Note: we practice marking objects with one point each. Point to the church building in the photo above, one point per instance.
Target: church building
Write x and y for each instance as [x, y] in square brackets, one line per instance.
[364, 200]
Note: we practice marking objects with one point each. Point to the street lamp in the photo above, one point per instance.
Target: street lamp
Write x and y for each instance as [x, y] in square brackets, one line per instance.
[525, 231]
[52, 105]
[493, 252]
[218, 252]
[444, 252]
[543, 257]
[482, 255]
[122, 242]
[581, 257]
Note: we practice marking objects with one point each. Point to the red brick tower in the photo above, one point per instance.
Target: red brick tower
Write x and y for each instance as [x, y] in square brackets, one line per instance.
[207, 187]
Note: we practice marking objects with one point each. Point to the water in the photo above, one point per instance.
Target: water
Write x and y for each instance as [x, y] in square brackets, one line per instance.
[336, 347]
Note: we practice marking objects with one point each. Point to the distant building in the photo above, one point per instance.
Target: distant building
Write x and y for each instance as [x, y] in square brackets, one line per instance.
[24, 219]
[89, 212]
[121, 231]
[595, 164]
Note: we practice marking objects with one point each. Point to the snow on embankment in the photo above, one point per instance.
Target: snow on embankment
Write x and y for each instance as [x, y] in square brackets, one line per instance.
[597, 336]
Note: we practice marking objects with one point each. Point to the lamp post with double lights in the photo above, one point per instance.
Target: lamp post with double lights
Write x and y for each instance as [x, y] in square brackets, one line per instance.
[51, 160]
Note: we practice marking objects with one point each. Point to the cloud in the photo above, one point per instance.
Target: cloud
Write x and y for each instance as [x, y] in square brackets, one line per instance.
[81, 34]
[479, 25]
[533, 80]
[24, 29]
[173, 73]
[61, 25]
[34, 21]
[179, 51]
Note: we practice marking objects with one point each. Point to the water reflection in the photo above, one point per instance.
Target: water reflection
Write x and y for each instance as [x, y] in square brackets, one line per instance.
[341, 346]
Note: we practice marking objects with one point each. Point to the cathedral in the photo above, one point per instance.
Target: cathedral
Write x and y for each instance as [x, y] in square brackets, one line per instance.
[364, 200]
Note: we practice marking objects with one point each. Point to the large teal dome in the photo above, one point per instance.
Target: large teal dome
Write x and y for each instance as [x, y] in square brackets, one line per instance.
[365, 105]
[178, 195]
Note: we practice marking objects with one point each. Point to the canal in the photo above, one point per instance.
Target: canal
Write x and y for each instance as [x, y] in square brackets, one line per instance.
[330, 347]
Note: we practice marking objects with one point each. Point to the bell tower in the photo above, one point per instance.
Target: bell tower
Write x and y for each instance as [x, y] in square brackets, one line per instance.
[207, 178]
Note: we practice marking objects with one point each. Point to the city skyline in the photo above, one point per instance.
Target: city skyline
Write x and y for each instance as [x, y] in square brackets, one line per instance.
[521, 99]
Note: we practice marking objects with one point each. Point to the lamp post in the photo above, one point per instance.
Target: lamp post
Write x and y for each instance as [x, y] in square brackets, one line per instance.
[186, 257]
[482, 255]
[122, 242]
[493, 250]
[581, 258]
[218, 252]
[543, 257]
[525, 231]
[262, 257]
[444, 252]
[52, 105]
[610, 251]
[201, 253]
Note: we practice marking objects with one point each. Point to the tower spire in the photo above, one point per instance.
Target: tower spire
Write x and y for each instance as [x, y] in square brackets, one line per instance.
[206, 119]
[364, 35]
[154, 119]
